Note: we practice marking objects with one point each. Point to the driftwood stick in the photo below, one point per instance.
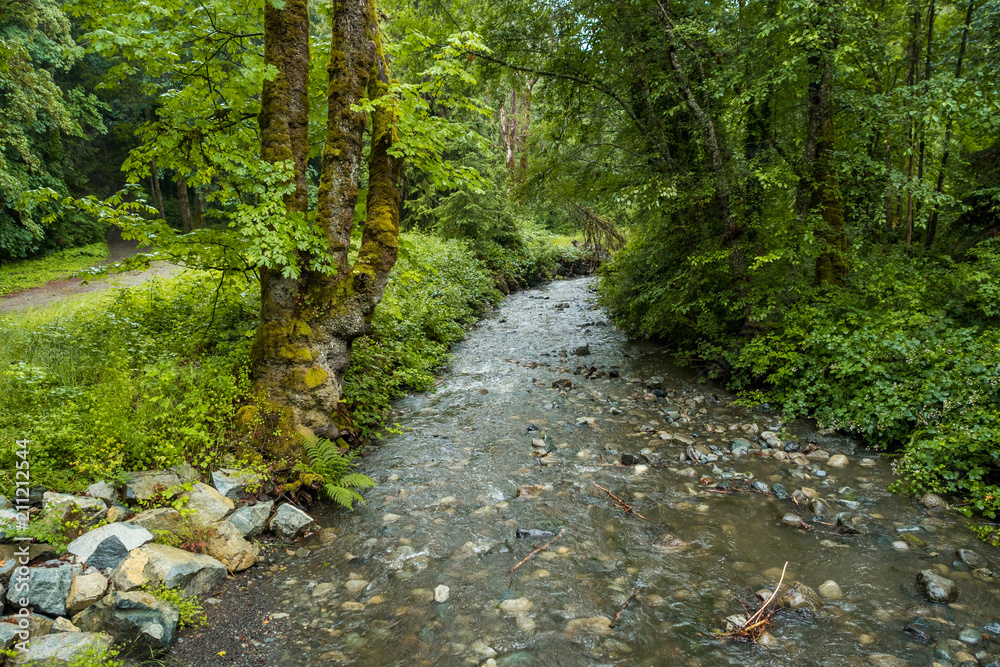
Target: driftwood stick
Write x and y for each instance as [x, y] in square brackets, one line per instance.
[621, 610]
[541, 548]
[756, 617]
[619, 503]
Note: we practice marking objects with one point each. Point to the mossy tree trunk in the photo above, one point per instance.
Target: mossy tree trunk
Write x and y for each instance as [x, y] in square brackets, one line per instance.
[303, 345]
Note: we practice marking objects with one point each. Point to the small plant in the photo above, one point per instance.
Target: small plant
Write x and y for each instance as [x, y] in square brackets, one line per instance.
[192, 614]
[339, 483]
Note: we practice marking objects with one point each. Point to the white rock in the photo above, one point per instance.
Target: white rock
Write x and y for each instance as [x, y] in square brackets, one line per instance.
[830, 590]
[441, 593]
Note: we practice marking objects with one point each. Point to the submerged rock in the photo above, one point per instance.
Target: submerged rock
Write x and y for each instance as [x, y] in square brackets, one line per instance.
[932, 501]
[936, 588]
[584, 628]
[798, 596]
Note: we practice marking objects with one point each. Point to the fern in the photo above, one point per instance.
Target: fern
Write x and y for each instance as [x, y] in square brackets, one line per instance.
[340, 482]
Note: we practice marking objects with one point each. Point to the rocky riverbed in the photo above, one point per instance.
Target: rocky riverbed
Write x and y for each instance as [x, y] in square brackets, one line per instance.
[658, 506]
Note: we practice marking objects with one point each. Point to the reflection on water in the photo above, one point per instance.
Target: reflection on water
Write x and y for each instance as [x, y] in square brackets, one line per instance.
[465, 476]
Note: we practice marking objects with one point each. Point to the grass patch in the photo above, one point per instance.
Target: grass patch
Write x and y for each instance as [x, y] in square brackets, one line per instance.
[28, 273]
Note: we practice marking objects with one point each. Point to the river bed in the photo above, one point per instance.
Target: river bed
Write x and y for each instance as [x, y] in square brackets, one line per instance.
[421, 575]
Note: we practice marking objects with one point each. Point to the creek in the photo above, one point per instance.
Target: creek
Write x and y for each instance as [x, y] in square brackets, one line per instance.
[462, 477]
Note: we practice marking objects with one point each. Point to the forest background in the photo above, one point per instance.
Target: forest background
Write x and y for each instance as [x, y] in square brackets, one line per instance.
[810, 192]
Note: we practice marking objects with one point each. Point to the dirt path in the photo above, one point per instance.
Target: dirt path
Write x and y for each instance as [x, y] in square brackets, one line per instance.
[62, 289]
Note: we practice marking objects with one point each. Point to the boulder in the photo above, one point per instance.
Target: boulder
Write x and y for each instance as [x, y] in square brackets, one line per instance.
[147, 625]
[104, 491]
[108, 545]
[772, 439]
[9, 634]
[208, 505]
[162, 565]
[936, 588]
[289, 522]
[798, 596]
[229, 548]
[63, 649]
[49, 588]
[144, 485]
[85, 590]
[251, 519]
[38, 625]
[233, 483]
[63, 624]
[116, 513]
[159, 519]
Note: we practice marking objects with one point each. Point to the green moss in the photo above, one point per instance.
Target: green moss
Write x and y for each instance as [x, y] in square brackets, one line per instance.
[315, 377]
[298, 353]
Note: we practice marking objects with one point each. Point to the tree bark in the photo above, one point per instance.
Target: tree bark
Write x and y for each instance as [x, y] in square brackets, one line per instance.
[183, 202]
[912, 79]
[820, 188]
[932, 222]
[199, 208]
[303, 344]
[156, 191]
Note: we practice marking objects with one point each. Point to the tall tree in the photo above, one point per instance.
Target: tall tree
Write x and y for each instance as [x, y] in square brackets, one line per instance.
[310, 318]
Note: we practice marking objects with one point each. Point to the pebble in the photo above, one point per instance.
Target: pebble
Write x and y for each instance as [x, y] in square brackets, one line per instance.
[352, 606]
[441, 593]
[516, 605]
[792, 520]
[390, 518]
[355, 585]
[970, 636]
[900, 545]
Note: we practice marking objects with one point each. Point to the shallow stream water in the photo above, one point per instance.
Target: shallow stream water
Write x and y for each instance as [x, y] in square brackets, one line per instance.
[463, 477]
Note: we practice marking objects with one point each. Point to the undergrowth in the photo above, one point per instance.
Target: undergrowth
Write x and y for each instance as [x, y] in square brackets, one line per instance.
[25, 274]
[153, 375]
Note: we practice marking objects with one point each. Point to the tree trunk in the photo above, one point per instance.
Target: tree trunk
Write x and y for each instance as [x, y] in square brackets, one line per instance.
[820, 187]
[303, 344]
[199, 209]
[932, 222]
[183, 203]
[912, 79]
[154, 182]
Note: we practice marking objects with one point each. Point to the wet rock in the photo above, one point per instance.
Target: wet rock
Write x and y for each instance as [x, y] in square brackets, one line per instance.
[932, 501]
[104, 491]
[830, 590]
[735, 622]
[885, 660]
[837, 461]
[668, 543]
[530, 490]
[936, 588]
[793, 520]
[355, 586]
[760, 487]
[582, 350]
[798, 596]
[228, 546]
[533, 533]
[900, 545]
[561, 384]
[655, 382]
[585, 628]
[250, 519]
[740, 445]
[699, 453]
[772, 439]
[633, 459]
[62, 649]
[441, 593]
[970, 636]
[289, 522]
[109, 545]
[917, 634]
[516, 605]
[148, 625]
[159, 564]
[208, 505]
[818, 507]
[971, 558]
[780, 491]
[85, 590]
[48, 589]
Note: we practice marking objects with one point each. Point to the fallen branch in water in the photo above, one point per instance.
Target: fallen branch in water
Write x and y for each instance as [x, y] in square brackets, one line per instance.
[619, 503]
[541, 548]
[621, 610]
[756, 625]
